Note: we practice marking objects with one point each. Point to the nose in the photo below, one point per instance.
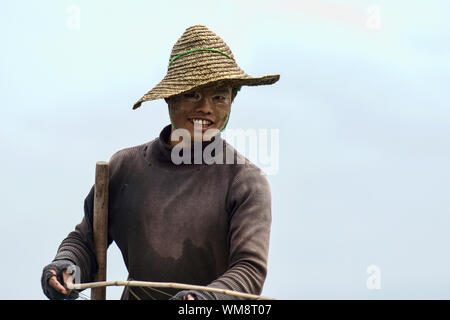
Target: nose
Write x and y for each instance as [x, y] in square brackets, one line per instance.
[205, 106]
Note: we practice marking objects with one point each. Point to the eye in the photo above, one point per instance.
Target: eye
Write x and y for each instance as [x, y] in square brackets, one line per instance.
[220, 97]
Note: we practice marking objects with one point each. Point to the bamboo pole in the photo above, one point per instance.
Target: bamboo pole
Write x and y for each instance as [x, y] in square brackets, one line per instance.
[100, 225]
[132, 283]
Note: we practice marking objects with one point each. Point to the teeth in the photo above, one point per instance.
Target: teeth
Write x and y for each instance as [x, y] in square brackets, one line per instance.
[200, 121]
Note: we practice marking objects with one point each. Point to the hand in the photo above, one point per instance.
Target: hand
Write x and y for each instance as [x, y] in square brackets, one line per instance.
[55, 276]
[60, 287]
[185, 295]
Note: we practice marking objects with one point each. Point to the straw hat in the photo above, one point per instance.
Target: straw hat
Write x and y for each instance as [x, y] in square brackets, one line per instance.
[199, 58]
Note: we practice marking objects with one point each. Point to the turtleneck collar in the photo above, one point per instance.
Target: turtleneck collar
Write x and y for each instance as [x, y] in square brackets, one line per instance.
[159, 153]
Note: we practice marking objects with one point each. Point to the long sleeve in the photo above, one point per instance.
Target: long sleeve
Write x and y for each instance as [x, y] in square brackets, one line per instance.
[248, 236]
[78, 246]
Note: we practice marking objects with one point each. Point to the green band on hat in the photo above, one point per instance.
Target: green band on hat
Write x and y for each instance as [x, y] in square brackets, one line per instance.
[201, 49]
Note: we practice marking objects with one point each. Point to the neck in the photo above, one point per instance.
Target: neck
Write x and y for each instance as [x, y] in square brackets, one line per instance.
[209, 150]
[175, 142]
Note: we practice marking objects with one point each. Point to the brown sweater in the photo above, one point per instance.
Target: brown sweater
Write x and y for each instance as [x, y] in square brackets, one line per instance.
[202, 224]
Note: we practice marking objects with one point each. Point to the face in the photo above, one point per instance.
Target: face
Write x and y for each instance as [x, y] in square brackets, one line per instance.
[211, 105]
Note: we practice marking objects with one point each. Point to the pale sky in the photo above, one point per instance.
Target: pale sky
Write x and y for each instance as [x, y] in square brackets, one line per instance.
[362, 108]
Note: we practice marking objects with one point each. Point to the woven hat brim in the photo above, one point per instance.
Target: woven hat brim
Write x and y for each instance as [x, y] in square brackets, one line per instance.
[167, 88]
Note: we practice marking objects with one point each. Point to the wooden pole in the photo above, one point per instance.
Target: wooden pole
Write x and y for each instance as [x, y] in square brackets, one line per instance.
[147, 284]
[100, 227]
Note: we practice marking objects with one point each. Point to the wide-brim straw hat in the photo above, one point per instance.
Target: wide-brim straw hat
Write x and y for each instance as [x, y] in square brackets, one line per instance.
[200, 58]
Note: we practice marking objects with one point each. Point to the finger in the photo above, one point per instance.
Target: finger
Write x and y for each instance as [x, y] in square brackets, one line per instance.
[53, 281]
[190, 297]
[55, 284]
[67, 278]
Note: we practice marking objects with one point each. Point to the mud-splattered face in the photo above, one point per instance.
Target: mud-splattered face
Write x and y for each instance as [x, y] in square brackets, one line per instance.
[201, 109]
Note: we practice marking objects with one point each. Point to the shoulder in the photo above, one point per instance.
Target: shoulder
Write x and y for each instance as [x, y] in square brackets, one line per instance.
[127, 155]
[249, 192]
[247, 177]
[241, 165]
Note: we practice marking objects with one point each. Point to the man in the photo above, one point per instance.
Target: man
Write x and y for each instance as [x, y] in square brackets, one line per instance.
[192, 222]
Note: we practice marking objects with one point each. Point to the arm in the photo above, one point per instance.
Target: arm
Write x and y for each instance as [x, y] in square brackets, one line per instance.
[249, 202]
[78, 246]
[76, 249]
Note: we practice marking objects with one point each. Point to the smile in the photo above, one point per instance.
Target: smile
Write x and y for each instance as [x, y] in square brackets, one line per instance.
[201, 124]
[200, 121]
